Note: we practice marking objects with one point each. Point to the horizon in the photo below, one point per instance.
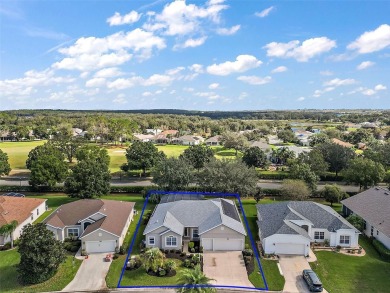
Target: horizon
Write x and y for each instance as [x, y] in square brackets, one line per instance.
[213, 55]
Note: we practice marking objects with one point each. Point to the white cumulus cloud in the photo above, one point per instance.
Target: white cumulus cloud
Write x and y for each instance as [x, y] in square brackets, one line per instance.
[241, 64]
[265, 12]
[372, 41]
[380, 87]
[214, 86]
[364, 65]
[301, 52]
[254, 80]
[228, 31]
[301, 99]
[339, 82]
[191, 43]
[117, 19]
[279, 69]
[96, 82]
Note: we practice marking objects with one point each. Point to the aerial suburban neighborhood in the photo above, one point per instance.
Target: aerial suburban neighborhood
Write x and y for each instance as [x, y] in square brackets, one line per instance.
[195, 146]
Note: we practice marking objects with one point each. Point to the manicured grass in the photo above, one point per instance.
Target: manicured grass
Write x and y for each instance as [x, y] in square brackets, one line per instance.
[18, 152]
[172, 150]
[344, 273]
[8, 274]
[117, 158]
[274, 280]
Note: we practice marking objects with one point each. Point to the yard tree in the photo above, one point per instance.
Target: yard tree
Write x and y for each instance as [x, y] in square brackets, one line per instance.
[153, 259]
[364, 172]
[190, 278]
[315, 160]
[68, 145]
[47, 166]
[282, 155]
[143, 155]
[5, 168]
[8, 230]
[90, 177]
[387, 179]
[235, 141]
[356, 221]
[294, 189]
[360, 135]
[379, 152]
[232, 176]
[303, 172]
[40, 254]
[332, 193]
[198, 155]
[318, 139]
[255, 157]
[336, 156]
[287, 135]
[173, 174]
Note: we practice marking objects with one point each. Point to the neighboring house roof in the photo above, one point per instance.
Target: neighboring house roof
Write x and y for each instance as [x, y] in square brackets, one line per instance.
[178, 196]
[342, 143]
[216, 138]
[261, 144]
[171, 132]
[143, 136]
[296, 149]
[17, 208]
[190, 138]
[115, 215]
[204, 214]
[373, 205]
[286, 217]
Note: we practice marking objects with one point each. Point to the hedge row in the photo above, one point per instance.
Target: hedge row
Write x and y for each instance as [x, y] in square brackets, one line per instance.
[382, 250]
[329, 176]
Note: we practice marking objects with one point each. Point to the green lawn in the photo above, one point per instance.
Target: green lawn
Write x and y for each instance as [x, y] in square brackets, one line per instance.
[18, 152]
[8, 275]
[274, 280]
[172, 150]
[344, 273]
[117, 158]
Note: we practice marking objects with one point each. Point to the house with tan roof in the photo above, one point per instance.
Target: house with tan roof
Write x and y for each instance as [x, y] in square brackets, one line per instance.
[101, 225]
[21, 209]
[342, 143]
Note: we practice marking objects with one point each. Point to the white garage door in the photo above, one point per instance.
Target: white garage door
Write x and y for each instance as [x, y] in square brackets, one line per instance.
[289, 248]
[207, 244]
[228, 244]
[100, 246]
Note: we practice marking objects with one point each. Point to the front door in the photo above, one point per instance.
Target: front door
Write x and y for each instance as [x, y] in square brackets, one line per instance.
[186, 232]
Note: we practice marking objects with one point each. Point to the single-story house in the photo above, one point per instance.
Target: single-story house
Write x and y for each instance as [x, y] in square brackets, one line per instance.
[289, 227]
[153, 131]
[143, 137]
[190, 140]
[216, 223]
[101, 225]
[373, 205]
[214, 140]
[342, 143]
[265, 147]
[296, 149]
[21, 209]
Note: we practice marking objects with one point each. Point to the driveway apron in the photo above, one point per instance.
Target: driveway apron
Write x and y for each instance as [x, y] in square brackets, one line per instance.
[91, 274]
[226, 268]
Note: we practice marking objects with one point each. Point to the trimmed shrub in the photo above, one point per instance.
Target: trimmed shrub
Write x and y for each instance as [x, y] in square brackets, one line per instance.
[162, 273]
[381, 249]
[191, 245]
[170, 265]
[187, 263]
[248, 252]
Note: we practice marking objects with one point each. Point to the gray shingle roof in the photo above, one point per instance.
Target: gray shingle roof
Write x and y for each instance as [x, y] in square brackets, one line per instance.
[205, 214]
[282, 217]
[373, 205]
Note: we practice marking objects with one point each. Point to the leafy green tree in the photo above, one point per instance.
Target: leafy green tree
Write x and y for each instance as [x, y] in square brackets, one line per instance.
[360, 135]
[379, 153]
[387, 179]
[356, 221]
[303, 172]
[318, 139]
[153, 259]
[198, 155]
[295, 189]
[189, 279]
[143, 155]
[8, 230]
[282, 155]
[68, 145]
[335, 155]
[47, 166]
[173, 174]
[5, 167]
[225, 175]
[332, 193]
[90, 177]
[255, 157]
[287, 135]
[40, 254]
[315, 160]
[231, 140]
[364, 172]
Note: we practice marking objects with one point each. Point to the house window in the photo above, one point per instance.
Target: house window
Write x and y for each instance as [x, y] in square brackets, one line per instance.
[195, 233]
[372, 230]
[151, 240]
[344, 239]
[32, 217]
[37, 212]
[377, 232]
[319, 235]
[171, 241]
[73, 232]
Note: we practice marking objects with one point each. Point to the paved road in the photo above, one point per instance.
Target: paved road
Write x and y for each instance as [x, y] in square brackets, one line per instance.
[148, 182]
[91, 275]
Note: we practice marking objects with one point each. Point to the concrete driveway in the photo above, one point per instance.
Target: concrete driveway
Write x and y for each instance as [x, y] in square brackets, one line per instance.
[226, 268]
[91, 274]
[292, 267]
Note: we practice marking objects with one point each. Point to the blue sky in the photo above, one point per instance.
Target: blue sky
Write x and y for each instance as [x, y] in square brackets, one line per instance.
[198, 55]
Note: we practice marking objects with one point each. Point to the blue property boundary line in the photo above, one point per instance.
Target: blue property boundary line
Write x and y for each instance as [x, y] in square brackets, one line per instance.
[215, 194]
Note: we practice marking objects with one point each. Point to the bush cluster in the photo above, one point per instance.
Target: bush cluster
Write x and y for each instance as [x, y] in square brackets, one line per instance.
[381, 249]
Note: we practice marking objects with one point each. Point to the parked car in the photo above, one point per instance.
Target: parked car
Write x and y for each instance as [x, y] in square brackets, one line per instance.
[312, 281]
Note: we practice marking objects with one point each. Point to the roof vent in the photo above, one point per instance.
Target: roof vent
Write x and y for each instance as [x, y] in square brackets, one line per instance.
[387, 193]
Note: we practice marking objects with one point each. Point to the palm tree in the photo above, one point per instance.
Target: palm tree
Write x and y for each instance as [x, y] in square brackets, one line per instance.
[191, 278]
[8, 230]
[153, 259]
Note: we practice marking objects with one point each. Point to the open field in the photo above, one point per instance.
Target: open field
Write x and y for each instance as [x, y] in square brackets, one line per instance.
[18, 152]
